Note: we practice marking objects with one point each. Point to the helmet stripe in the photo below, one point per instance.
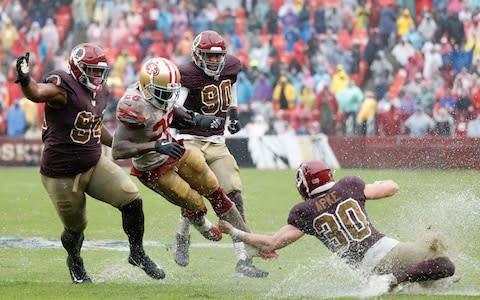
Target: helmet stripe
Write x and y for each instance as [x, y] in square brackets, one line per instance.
[171, 68]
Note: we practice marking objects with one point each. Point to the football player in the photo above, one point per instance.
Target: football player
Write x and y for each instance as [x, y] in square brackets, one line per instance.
[334, 212]
[145, 113]
[72, 163]
[208, 88]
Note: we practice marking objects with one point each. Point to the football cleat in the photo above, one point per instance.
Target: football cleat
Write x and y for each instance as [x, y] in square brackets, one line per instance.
[77, 270]
[146, 264]
[246, 268]
[181, 255]
[212, 234]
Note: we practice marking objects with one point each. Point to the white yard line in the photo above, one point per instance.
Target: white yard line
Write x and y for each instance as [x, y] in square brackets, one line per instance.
[118, 245]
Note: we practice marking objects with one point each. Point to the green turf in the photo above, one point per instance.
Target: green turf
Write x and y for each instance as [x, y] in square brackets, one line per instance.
[444, 201]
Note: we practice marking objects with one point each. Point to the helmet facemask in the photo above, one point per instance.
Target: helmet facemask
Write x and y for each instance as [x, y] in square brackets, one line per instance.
[89, 66]
[208, 52]
[162, 97]
[160, 83]
[93, 77]
[211, 68]
[301, 184]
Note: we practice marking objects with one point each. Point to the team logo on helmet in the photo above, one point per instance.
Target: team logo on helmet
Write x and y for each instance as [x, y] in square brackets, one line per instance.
[152, 69]
[78, 53]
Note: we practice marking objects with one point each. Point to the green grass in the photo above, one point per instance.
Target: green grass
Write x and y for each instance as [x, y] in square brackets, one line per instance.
[448, 202]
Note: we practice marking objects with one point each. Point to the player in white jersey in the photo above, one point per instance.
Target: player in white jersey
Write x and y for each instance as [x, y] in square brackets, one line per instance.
[144, 114]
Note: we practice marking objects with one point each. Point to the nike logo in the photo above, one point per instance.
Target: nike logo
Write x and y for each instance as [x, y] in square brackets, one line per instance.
[140, 265]
[75, 279]
[215, 124]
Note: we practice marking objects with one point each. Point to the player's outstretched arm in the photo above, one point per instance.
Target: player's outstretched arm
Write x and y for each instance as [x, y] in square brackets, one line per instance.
[50, 93]
[266, 243]
[381, 189]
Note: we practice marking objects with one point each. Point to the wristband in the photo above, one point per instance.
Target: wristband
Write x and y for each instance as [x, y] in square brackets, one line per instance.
[237, 234]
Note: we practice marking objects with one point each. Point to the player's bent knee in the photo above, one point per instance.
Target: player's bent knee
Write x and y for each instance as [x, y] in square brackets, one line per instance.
[448, 266]
[129, 187]
[77, 226]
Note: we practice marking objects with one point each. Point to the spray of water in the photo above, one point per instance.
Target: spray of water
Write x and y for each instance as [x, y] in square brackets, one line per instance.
[452, 216]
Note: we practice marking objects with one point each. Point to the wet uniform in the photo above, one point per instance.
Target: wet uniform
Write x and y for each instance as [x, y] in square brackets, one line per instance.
[72, 162]
[339, 220]
[212, 97]
[71, 135]
[134, 111]
[182, 181]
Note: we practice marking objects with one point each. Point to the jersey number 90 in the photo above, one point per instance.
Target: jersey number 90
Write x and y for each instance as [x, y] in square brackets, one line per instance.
[216, 98]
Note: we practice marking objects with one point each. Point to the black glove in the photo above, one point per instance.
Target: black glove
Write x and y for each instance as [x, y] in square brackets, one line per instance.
[23, 70]
[207, 121]
[171, 149]
[234, 125]
[182, 118]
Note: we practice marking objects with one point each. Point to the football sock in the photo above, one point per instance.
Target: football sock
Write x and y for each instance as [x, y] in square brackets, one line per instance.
[239, 250]
[184, 228]
[133, 221]
[236, 198]
[72, 242]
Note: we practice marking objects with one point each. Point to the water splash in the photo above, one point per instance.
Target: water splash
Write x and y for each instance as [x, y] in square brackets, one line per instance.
[452, 215]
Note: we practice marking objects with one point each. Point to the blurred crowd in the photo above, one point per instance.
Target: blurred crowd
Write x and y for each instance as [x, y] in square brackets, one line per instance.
[352, 67]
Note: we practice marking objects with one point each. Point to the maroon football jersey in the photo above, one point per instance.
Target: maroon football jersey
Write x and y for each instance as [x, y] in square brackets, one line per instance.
[71, 135]
[207, 95]
[338, 219]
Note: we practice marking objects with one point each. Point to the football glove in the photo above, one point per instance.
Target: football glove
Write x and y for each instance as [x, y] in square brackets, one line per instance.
[234, 125]
[182, 118]
[171, 149]
[23, 69]
[207, 121]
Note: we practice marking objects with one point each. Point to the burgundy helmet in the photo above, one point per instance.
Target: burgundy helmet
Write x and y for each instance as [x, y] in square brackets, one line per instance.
[88, 64]
[209, 42]
[313, 177]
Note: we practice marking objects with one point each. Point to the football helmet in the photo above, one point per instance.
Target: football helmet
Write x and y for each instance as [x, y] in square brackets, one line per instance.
[159, 82]
[208, 51]
[313, 177]
[88, 64]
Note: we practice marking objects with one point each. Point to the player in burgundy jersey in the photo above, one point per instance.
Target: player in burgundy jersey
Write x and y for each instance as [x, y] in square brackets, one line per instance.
[145, 113]
[208, 88]
[72, 163]
[334, 213]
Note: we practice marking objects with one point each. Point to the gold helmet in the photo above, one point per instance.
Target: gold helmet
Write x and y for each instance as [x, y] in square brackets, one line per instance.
[160, 82]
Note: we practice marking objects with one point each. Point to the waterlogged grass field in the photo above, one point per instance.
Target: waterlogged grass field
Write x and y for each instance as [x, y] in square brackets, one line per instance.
[32, 263]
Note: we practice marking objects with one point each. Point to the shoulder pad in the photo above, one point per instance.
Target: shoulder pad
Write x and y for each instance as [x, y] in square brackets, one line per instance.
[232, 66]
[54, 78]
[130, 111]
